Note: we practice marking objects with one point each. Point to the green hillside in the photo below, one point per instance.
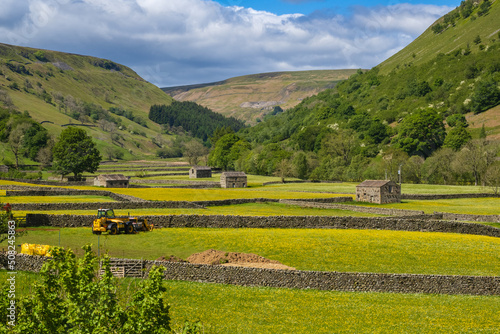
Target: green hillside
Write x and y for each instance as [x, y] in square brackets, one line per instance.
[252, 97]
[57, 89]
[457, 33]
[371, 124]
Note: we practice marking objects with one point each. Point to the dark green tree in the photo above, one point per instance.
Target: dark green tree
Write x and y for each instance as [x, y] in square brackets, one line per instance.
[378, 131]
[421, 133]
[456, 138]
[220, 155]
[300, 165]
[457, 120]
[486, 96]
[75, 152]
[482, 134]
[484, 8]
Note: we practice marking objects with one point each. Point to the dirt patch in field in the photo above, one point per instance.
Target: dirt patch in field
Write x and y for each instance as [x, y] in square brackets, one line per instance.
[213, 257]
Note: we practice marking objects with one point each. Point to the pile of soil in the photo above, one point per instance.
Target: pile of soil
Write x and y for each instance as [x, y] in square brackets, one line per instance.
[213, 257]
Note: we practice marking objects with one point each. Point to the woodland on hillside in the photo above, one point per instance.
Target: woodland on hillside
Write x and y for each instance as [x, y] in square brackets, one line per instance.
[373, 125]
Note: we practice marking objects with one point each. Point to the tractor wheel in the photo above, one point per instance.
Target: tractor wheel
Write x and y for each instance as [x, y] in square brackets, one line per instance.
[113, 230]
[96, 232]
[129, 228]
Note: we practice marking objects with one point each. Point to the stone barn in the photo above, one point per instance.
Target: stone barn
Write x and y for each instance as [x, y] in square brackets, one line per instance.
[4, 169]
[111, 181]
[200, 172]
[233, 180]
[379, 192]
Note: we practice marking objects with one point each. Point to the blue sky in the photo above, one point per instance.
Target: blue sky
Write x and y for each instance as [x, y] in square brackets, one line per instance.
[308, 6]
[180, 42]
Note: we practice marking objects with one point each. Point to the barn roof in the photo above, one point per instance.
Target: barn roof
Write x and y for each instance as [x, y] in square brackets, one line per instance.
[113, 177]
[374, 183]
[202, 168]
[234, 174]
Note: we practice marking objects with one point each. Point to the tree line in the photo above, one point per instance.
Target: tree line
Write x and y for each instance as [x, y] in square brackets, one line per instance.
[198, 121]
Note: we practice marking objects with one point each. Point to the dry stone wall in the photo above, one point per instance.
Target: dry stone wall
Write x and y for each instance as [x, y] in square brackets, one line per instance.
[420, 224]
[97, 205]
[446, 196]
[296, 279]
[65, 192]
[356, 282]
[356, 208]
[51, 183]
[32, 263]
[464, 217]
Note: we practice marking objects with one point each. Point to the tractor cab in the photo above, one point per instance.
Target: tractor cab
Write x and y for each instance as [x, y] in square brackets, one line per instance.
[105, 213]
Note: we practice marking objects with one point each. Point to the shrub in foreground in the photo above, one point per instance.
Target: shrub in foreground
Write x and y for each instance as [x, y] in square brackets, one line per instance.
[73, 298]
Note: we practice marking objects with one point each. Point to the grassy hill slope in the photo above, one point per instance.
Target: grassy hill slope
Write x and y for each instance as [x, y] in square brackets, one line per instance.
[456, 36]
[59, 88]
[251, 97]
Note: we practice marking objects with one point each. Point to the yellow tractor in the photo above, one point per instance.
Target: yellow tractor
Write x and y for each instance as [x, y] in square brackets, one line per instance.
[107, 222]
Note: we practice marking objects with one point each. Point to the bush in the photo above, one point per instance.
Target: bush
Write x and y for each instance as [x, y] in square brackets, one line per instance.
[73, 298]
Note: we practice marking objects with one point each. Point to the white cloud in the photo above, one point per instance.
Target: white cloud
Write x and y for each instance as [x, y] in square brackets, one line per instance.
[191, 41]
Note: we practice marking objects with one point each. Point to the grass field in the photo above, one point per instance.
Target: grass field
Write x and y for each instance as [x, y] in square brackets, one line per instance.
[305, 249]
[225, 309]
[181, 194]
[473, 206]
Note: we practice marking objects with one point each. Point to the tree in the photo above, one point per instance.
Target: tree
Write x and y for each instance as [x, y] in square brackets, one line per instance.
[341, 143]
[219, 157]
[413, 169]
[457, 120]
[486, 96]
[421, 133]
[492, 177]
[475, 158]
[456, 138]
[194, 150]
[484, 8]
[393, 160]
[283, 169]
[378, 131]
[300, 165]
[482, 134]
[75, 152]
[356, 168]
[44, 155]
[17, 140]
[437, 168]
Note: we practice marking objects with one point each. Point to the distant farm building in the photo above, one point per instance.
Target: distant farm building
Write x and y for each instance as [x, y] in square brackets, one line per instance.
[111, 181]
[200, 172]
[379, 192]
[4, 169]
[233, 180]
